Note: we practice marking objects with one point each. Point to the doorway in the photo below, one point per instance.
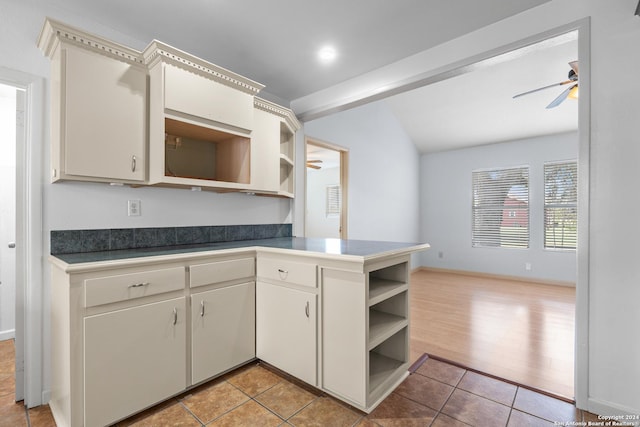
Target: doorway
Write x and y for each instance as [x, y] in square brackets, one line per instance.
[8, 129]
[28, 224]
[325, 190]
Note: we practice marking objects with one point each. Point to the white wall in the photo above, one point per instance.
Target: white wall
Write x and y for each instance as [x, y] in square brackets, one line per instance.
[609, 298]
[318, 223]
[383, 172]
[7, 211]
[446, 209]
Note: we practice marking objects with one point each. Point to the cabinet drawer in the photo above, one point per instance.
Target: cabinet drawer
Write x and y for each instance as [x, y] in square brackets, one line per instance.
[189, 93]
[122, 287]
[221, 271]
[287, 271]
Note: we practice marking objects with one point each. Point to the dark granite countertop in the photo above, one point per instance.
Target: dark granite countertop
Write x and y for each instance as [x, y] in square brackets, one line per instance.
[354, 248]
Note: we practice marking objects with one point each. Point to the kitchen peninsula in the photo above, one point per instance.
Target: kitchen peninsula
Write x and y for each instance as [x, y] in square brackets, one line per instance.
[131, 328]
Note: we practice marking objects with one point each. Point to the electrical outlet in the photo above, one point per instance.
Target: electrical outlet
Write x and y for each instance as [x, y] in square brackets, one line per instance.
[527, 266]
[134, 207]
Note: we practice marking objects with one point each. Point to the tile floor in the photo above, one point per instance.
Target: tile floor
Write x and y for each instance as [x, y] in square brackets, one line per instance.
[436, 394]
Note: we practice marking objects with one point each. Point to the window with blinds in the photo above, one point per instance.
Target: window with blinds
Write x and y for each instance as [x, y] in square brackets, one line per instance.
[500, 210]
[333, 200]
[561, 205]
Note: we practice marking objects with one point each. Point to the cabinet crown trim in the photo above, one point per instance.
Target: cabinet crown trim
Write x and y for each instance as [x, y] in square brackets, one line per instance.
[54, 32]
[285, 113]
[158, 51]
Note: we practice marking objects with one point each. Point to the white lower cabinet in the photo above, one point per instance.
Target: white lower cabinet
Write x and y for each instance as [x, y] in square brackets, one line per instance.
[222, 330]
[286, 330]
[133, 358]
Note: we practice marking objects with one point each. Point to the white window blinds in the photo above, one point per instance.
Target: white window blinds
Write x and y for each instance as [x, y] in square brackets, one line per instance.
[500, 210]
[333, 200]
[561, 205]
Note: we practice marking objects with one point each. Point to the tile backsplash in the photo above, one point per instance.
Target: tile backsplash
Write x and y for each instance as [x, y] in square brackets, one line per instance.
[75, 241]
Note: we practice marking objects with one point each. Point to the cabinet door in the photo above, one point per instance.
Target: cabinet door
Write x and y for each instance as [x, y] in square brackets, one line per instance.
[286, 330]
[187, 92]
[133, 358]
[104, 121]
[223, 330]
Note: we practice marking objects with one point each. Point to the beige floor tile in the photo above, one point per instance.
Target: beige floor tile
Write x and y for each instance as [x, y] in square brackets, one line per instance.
[212, 402]
[443, 420]
[11, 413]
[488, 387]
[7, 384]
[250, 414]
[441, 371]
[255, 380]
[425, 390]
[41, 416]
[285, 399]
[398, 411]
[175, 415]
[520, 419]
[546, 407]
[325, 411]
[475, 410]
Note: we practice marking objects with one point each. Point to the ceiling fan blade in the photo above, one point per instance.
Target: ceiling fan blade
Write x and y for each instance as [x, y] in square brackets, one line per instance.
[562, 83]
[574, 66]
[560, 98]
[313, 166]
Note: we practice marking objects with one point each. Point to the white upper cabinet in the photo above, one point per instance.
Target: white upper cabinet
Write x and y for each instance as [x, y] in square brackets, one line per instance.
[98, 114]
[273, 148]
[200, 121]
[161, 117]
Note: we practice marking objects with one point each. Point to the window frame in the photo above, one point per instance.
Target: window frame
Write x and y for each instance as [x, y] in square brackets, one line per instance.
[499, 210]
[571, 205]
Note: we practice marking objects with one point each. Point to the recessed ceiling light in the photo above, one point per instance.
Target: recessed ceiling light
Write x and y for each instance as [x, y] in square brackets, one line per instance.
[327, 54]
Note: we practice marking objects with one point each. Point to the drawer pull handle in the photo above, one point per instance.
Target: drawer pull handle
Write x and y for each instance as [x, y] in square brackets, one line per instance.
[306, 309]
[202, 308]
[133, 163]
[282, 271]
[175, 316]
[139, 285]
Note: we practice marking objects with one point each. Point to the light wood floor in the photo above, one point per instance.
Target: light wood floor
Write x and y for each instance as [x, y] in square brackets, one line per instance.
[519, 331]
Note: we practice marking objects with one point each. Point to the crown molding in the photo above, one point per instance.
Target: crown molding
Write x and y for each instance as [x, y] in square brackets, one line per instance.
[157, 52]
[54, 33]
[286, 113]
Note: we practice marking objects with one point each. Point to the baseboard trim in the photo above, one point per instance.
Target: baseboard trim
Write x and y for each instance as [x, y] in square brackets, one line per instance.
[496, 276]
[604, 408]
[9, 334]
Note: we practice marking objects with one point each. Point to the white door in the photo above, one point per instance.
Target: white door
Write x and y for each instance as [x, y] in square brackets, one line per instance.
[7, 211]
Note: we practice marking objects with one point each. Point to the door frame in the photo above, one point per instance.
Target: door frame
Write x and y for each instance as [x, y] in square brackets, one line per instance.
[29, 238]
[344, 181]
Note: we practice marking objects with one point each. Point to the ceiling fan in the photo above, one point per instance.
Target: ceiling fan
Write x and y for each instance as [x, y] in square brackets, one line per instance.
[313, 164]
[571, 92]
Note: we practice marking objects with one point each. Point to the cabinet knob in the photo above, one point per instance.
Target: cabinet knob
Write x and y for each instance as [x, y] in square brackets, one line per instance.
[12, 245]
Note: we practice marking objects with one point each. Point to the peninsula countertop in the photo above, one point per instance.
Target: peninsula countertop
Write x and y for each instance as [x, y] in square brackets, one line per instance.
[362, 250]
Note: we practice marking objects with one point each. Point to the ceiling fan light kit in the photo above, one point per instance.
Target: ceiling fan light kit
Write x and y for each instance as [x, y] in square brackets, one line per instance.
[571, 92]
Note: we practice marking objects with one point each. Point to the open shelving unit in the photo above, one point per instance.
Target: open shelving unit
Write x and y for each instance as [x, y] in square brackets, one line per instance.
[287, 151]
[388, 328]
